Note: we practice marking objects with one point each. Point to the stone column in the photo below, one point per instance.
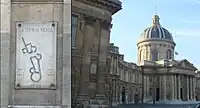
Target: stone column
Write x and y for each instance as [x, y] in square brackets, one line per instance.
[175, 87]
[117, 67]
[120, 95]
[147, 87]
[111, 66]
[126, 98]
[187, 87]
[190, 80]
[193, 87]
[116, 91]
[172, 87]
[179, 86]
[160, 88]
[163, 87]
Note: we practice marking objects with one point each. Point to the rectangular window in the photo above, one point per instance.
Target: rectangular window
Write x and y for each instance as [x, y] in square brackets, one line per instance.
[74, 30]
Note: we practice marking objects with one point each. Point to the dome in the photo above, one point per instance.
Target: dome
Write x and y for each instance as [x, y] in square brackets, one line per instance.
[156, 31]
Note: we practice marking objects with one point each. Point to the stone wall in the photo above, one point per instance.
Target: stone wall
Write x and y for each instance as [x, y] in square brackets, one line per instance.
[36, 11]
[89, 55]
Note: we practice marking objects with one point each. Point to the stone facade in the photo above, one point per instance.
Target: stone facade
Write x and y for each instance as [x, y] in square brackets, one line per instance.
[163, 80]
[197, 85]
[125, 78]
[39, 11]
[91, 23]
[101, 77]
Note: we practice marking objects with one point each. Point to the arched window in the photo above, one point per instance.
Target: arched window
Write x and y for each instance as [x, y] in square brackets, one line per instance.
[93, 68]
[169, 54]
[154, 55]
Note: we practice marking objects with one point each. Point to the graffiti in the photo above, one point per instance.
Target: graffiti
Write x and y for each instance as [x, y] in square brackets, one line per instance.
[35, 70]
[29, 48]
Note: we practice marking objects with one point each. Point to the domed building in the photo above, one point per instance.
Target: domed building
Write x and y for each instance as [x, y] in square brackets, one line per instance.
[155, 43]
[169, 79]
[156, 76]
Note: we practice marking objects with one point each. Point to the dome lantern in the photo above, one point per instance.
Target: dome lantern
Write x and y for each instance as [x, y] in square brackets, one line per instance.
[155, 20]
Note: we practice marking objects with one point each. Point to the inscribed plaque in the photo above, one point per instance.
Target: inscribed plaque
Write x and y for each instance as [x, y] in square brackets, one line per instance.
[36, 55]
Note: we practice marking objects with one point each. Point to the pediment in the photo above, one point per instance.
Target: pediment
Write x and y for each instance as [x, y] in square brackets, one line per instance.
[185, 64]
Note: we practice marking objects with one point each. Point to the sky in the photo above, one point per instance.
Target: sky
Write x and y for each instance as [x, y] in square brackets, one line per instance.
[180, 17]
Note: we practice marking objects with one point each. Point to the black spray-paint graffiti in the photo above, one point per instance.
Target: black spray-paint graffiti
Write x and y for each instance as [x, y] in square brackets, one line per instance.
[29, 48]
[35, 70]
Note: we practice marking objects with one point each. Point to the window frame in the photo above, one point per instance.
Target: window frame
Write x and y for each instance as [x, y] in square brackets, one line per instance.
[169, 54]
[154, 53]
[74, 33]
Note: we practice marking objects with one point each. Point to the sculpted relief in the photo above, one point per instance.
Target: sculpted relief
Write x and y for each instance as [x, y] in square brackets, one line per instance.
[36, 55]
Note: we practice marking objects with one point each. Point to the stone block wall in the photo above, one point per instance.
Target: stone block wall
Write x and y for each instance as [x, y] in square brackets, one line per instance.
[38, 11]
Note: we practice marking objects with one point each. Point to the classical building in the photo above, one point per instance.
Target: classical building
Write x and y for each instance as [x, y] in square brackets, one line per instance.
[157, 76]
[101, 76]
[91, 23]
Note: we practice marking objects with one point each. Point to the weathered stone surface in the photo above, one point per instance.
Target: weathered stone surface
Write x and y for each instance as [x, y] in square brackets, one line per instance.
[38, 11]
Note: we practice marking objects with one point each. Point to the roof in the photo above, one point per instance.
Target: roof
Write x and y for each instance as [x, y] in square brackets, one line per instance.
[156, 31]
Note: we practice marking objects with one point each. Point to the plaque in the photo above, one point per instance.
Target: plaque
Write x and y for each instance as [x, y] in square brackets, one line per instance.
[36, 55]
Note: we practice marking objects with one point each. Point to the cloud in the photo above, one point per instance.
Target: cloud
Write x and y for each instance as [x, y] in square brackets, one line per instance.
[187, 32]
[193, 1]
[191, 21]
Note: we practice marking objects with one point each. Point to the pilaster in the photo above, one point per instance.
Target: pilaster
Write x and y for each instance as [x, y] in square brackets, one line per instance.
[172, 87]
[164, 87]
[148, 86]
[179, 86]
[66, 87]
[190, 80]
[175, 87]
[187, 88]
[193, 85]
[5, 9]
[145, 87]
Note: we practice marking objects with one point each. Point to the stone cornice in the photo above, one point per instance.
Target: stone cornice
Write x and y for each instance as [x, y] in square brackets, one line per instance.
[182, 71]
[89, 20]
[106, 24]
[111, 5]
[148, 40]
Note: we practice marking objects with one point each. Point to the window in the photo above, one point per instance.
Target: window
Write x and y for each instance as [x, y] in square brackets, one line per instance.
[154, 55]
[93, 68]
[74, 30]
[169, 54]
